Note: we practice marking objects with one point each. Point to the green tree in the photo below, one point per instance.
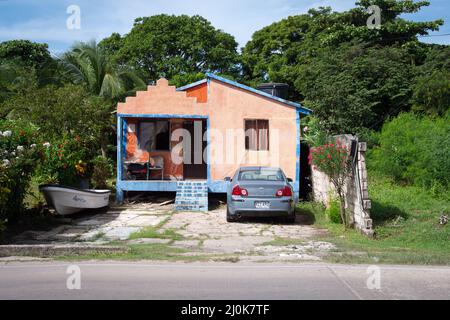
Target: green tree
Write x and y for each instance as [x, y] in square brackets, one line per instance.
[352, 76]
[174, 46]
[432, 87]
[68, 111]
[88, 64]
[356, 87]
[25, 53]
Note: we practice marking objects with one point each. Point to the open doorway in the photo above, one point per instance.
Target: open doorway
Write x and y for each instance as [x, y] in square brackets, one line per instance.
[305, 173]
[195, 167]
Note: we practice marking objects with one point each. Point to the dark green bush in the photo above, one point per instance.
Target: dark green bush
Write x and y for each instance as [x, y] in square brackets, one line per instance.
[414, 149]
[332, 211]
[102, 171]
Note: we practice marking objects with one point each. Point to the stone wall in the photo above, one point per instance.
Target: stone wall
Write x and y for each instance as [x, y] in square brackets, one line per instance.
[357, 202]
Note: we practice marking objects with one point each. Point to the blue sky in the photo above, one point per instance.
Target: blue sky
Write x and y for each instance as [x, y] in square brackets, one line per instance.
[45, 20]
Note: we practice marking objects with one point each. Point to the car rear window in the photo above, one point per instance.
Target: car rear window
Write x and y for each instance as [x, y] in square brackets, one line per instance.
[261, 175]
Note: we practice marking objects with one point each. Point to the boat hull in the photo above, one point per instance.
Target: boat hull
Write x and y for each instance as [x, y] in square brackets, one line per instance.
[67, 200]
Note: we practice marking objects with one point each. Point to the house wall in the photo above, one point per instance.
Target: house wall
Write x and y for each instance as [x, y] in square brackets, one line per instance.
[226, 107]
[200, 92]
[229, 107]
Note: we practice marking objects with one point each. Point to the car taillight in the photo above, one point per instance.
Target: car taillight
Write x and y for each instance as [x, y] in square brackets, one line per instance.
[284, 192]
[238, 191]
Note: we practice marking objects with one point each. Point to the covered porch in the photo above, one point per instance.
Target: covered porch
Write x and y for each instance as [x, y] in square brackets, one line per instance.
[156, 151]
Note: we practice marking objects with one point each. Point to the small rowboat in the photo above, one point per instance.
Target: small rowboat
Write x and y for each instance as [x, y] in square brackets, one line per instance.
[68, 200]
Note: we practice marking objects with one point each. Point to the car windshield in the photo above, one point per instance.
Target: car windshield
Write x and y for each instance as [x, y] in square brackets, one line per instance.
[261, 175]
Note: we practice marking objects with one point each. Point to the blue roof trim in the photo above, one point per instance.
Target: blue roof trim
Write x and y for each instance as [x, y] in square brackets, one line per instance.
[296, 105]
[188, 86]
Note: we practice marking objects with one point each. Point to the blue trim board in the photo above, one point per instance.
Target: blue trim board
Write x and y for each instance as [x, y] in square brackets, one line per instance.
[216, 186]
[119, 191]
[297, 156]
[210, 76]
[192, 85]
[208, 156]
[174, 116]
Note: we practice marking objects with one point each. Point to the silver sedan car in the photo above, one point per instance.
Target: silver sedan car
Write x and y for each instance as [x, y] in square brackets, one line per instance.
[260, 192]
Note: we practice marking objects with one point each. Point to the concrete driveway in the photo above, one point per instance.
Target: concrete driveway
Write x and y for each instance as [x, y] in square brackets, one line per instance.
[196, 232]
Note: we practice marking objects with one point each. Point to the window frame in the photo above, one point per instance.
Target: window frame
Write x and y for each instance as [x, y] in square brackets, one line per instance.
[247, 145]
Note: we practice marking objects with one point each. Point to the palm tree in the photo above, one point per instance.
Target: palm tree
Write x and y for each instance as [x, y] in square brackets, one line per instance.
[89, 65]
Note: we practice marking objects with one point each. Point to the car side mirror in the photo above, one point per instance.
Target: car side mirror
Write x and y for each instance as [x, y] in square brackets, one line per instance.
[290, 180]
[228, 179]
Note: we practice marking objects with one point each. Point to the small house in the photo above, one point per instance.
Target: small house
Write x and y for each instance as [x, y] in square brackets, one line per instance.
[189, 139]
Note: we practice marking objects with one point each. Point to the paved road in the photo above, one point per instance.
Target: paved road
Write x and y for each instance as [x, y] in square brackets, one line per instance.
[146, 280]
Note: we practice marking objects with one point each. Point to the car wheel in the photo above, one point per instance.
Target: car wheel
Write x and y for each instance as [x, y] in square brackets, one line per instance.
[230, 218]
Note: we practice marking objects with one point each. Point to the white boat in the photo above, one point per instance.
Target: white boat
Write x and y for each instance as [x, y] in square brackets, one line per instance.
[68, 200]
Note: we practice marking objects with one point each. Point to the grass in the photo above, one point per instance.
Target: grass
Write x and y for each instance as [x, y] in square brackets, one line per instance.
[153, 232]
[155, 252]
[406, 223]
[283, 242]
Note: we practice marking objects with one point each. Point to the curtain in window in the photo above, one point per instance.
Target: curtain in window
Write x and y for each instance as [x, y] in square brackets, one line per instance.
[263, 134]
[251, 135]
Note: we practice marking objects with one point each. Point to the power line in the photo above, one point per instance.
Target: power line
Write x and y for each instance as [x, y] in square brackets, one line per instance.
[434, 35]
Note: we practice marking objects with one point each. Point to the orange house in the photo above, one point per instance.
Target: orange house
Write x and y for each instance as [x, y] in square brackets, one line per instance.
[204, 132]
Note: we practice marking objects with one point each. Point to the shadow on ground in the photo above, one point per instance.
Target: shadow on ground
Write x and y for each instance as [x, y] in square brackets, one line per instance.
[382, 213]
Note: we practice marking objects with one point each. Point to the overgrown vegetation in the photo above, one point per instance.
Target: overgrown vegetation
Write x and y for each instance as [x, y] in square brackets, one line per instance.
[415, 150]
[406, 223]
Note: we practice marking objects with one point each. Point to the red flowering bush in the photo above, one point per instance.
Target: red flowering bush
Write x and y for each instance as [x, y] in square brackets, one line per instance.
[333, 160]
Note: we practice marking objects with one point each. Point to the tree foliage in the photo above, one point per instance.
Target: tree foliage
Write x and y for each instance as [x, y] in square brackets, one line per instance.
[88, 64]
[174, 46]
[352, 76]
[25, 53]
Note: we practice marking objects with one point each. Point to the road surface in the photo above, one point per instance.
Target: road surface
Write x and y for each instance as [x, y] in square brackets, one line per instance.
[148, 280]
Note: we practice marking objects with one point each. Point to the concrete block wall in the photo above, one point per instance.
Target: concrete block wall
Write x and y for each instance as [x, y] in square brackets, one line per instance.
[357, 200]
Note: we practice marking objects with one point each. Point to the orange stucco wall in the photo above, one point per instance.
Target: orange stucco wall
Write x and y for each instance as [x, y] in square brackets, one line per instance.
[200, 92]
[227, 107]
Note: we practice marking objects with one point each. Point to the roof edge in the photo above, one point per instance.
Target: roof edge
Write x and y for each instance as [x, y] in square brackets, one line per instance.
[191, 85]
[213, 76]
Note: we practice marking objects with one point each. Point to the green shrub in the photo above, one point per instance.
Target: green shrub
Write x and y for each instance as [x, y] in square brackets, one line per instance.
[332, 211]
[64, 162]
[102, 171]
[414, 150]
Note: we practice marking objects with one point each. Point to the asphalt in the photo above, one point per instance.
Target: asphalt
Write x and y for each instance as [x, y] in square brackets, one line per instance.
[148, 280]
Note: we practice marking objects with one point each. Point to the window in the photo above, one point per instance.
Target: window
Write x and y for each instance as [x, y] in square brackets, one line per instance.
[257, 134]
[154, 135]
[261, 175]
